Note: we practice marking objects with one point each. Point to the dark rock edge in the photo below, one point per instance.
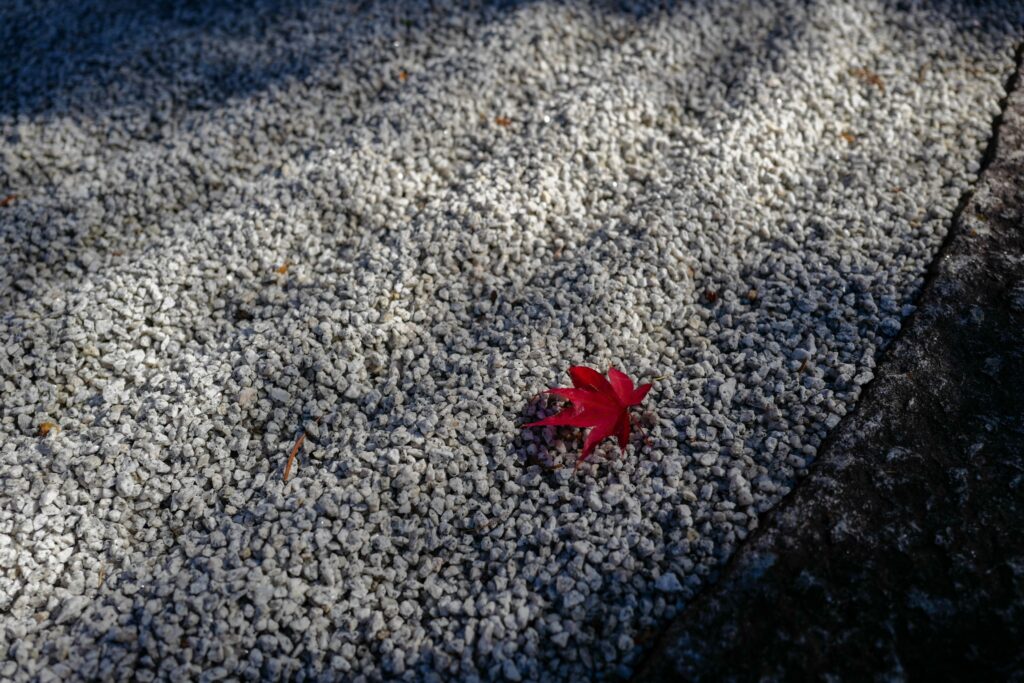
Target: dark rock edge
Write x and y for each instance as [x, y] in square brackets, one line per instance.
[901, 555]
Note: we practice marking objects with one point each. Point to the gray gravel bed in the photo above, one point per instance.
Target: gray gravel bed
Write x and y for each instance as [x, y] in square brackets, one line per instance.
[392, 226]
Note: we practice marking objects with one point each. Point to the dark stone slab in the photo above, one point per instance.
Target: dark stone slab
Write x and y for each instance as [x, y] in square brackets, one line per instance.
[901, 556]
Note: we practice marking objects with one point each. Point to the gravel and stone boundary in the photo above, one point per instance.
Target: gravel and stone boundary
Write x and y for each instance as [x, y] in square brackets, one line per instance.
[901, 556]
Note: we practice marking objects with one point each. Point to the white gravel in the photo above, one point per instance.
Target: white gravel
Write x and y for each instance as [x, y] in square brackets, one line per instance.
[742, 197]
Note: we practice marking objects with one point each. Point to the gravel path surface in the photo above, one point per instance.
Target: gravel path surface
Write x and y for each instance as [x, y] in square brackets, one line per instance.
[220, 225]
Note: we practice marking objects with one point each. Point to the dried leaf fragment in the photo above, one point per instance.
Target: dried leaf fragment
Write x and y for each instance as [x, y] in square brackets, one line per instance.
[868, 77]
[291, 456]
[46, 427]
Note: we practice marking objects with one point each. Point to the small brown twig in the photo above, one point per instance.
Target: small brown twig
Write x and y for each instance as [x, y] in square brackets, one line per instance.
[295, 450]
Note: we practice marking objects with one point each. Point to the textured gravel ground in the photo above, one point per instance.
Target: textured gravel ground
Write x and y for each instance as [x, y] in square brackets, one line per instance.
[228, 223]
[916, 498]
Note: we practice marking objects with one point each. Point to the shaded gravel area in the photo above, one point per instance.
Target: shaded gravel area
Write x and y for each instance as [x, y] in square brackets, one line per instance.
[901, 556]
[388, 226]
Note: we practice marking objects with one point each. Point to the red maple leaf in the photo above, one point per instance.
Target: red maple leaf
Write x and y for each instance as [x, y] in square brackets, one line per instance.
[599, 403]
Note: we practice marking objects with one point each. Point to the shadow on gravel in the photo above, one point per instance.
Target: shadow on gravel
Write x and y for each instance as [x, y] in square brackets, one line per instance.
[152, 72]
[528, 447]
[142, 81]
[89, 58]
[109, 60]
[99, 56]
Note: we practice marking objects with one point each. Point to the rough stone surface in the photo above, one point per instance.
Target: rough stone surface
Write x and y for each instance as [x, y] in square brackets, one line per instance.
[901, 556]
